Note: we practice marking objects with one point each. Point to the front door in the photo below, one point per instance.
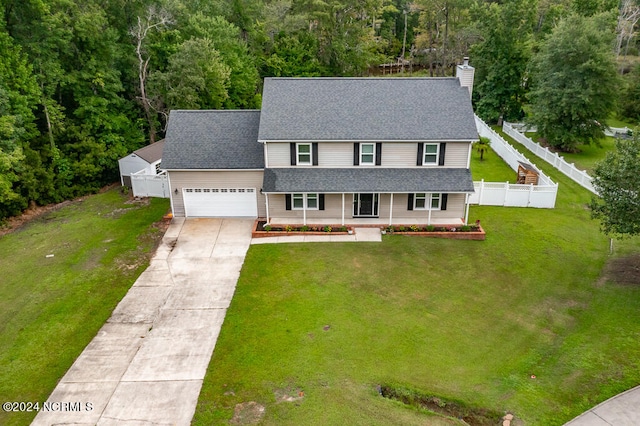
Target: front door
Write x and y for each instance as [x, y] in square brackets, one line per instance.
[365, 205]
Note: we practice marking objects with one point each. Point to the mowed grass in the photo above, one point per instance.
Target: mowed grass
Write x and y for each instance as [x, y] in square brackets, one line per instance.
[51, 307]
[465, 320]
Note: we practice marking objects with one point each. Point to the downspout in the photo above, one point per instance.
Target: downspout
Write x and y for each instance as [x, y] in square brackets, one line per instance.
[266, 202]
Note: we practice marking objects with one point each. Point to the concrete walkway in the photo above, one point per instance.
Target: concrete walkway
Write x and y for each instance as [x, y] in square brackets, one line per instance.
[147, 363]
[621, 410]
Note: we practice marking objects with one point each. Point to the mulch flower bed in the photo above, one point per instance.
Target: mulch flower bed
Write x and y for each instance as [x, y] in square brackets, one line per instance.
[460, 232]
[261, 229]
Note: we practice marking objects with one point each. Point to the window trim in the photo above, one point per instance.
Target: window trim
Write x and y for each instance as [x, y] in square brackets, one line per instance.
[421, 196]
[305, 201]
[425, 153]
[436, 196]
[372, 154]
[298, 153]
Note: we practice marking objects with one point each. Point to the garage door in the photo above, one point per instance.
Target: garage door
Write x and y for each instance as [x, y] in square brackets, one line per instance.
[220, 202]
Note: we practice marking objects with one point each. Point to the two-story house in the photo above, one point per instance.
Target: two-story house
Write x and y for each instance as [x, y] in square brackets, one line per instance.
[329, 151]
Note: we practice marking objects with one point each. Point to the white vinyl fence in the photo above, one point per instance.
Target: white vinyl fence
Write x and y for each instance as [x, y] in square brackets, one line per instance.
[557, 161]
[542, 195]
[145, 185]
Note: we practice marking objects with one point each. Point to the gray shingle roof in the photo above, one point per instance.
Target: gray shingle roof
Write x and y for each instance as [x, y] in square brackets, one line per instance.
[213, 140]
[360, 179]
[373, 109]
[151, 153]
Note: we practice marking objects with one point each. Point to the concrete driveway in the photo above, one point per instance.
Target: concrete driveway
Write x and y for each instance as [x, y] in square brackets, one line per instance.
[147, 363]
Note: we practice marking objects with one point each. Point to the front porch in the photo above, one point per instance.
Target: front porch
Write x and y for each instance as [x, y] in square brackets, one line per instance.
[373, 222]
[367, 209]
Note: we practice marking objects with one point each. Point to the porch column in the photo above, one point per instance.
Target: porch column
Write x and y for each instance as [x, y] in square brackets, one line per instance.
[266, 202]
[304, 209]
[391, 209]
[429, 218]
[343, 209]
[466, 213]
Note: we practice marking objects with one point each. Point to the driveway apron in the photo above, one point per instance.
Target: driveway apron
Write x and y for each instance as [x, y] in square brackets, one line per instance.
[147, 363]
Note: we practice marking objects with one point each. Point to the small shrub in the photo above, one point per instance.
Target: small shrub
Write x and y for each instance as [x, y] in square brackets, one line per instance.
[414, 228]
[389, 229]
[304, 228]
[343, 229]
[430, 228]
[267, 228]
[327, 229]
[465, 228]
[401, 228]
[288, 228]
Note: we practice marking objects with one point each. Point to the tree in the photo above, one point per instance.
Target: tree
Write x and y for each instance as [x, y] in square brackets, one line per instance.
[482, 146]
[575, 82]
[154, 20]
[617, 180]
[501, 58]
[196, 77]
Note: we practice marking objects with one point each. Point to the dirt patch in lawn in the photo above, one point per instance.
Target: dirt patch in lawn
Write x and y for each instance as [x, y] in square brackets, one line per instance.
[622, 270]
[469, 415]
[247, 413]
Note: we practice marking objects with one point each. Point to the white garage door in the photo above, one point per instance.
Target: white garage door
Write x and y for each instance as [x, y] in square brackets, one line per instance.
[220, 202]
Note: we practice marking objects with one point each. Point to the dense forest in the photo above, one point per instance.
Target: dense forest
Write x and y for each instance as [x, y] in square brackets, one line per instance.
[85, 82]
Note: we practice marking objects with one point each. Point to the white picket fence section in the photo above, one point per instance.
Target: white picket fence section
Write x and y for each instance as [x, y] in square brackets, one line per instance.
[542, 195]
[145, 185]
[557, 161]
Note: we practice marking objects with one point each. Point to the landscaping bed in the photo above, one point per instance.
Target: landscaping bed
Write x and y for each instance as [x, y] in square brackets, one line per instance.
[460, 232]
[261, 229]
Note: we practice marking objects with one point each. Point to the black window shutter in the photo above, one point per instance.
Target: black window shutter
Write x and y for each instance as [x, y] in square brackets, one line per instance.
[292, 149]
[420, 154]
[378, 153]
[443, 201]
[356, 154]
[410, 203]
[287, 201]
[321, 201]
[443, 147]
[314, 153]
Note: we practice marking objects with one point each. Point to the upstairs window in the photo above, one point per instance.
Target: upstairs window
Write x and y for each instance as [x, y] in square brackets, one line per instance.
[304, 154]
[431, 154]
[367, 154]
[431, 151]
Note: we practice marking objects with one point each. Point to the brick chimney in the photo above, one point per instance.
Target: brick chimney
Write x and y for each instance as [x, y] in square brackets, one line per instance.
[465, 74]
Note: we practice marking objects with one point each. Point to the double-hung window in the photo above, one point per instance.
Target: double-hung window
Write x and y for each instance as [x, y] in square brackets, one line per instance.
[427, 201]
[308, 202]
[431, 154]
[303, 154]
[367, 154]
[420, 201]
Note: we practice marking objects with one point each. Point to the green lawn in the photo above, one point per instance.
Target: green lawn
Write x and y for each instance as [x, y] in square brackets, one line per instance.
[464, 320]
[492, 168]
[52, 306]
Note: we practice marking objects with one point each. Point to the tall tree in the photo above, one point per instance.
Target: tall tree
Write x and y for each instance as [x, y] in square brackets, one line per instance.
[617, 180]
[502, 57]
[575, 82]
[196, 77]
[19, 96]
[154, 20]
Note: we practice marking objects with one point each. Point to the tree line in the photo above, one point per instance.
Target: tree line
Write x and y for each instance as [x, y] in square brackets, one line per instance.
[85, 82]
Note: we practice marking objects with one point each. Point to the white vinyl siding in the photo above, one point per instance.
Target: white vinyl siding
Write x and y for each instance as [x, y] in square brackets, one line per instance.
[399, 154]
[455, 209]
[214, 179]
[340, 154]
[278, 154]
[456, 155]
